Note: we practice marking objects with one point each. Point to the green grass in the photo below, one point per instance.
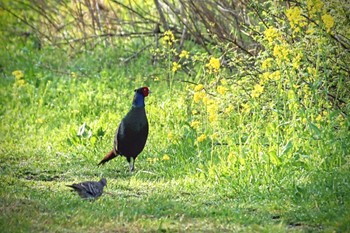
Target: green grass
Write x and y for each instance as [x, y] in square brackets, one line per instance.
[265, 176]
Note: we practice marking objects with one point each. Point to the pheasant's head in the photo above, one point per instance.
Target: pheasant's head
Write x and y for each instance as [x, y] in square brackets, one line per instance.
[143, 91]
[139, 98]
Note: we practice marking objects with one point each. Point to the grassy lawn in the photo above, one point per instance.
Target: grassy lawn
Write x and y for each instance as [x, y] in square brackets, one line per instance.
[55, 128]
[249, 120]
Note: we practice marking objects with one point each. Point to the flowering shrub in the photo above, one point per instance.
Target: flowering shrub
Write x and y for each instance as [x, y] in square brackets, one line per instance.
[291, 83]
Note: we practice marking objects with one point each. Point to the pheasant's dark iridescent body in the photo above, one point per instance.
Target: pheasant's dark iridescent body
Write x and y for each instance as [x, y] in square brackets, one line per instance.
[132, 133]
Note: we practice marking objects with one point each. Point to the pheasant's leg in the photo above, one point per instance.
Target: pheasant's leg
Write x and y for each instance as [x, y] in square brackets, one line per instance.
[131, 163]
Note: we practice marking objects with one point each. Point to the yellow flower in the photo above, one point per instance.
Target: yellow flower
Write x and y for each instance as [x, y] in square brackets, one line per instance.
[198, 96]
[340, 119]
[314, 6]
[18, 74]
[199, 87]
[201, 138]
[20, 82]
[152, 160]
[212, 110]
[213, 65]
[221, 90]
[184, 54]
[214, 136]
[328, 21]
[295, 18]
[170, 136]
[312, 73]
[266, 64]
[195, 124]
[265, 76]
[223, 81]
[166, 157]
[256, 92]
[319, 118]
[246, 107]
[207, 100]
[276, 75]
[213, 118]
[304, 121]
[228, 110]
[40, 120]
[168, 38]
[271, 34]
[73, 74]
[176, 66]
[310, 31]
[281, 52]
[296, 61]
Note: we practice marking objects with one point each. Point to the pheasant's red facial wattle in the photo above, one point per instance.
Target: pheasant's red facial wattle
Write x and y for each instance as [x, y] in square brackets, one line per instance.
[145, 91]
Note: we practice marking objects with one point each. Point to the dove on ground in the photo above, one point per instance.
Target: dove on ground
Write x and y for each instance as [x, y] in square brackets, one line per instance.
[89, 189]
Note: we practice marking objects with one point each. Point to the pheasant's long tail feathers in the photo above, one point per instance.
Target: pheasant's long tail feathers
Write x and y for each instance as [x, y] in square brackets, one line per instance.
[112, 154]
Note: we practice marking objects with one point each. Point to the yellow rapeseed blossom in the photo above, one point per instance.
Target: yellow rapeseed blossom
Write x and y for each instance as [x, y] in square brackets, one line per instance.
[214, 136]
[166, 157]
[213, 118]
[340, 120]
[314, 6]
[312, 73]
[212, 110]
[223, 82]
[325, 113]
[170, 136]
[199, 87]
[231, 157]
[18, 74]
[295, 18]
[304, 121]
[275, 76]
[228, 110]
[184, 54]
[207, 100]
[310, 30]
[168, 37]
[265, 76]
[271, 34]
[246, 107]
[214, 64]
[152, 160]
[306, 91]
[176, 66]
[221, 90]
[195, 124]
[73, 74]
[296, 61]
[40, 120]
[328, 22]
[20, 82]
[201, 138]
[266, 64]
[319, 118]
[198, 96]
[281, 52]
[256, 92]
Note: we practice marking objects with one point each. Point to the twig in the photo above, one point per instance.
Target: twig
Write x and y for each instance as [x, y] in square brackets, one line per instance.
[126, 60]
